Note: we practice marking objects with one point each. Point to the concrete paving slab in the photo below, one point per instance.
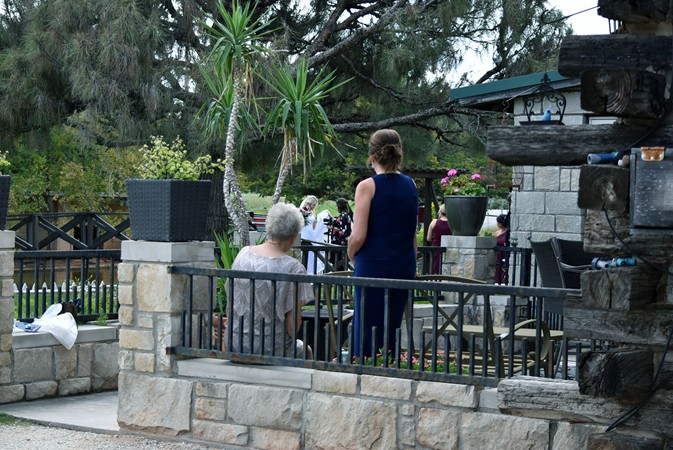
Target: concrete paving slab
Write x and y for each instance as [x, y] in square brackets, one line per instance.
[89, 412]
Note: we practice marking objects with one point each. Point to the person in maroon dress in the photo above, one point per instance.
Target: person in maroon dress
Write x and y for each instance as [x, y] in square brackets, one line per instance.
[501, 257]
[438, 227]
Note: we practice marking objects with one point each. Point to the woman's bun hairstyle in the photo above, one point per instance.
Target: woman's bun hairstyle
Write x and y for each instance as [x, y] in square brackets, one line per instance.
[386, 147]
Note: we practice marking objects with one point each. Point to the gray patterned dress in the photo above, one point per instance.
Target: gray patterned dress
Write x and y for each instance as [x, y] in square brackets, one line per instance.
[264, 306]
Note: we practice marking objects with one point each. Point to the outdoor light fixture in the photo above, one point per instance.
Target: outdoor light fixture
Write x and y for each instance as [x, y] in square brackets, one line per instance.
[544, 105]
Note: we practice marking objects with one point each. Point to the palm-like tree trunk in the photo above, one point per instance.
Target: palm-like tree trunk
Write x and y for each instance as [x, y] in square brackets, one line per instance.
[285, 164]
[230, 187]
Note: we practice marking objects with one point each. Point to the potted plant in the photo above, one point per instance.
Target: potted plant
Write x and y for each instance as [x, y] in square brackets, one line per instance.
[5, 181]
[465, 201]
[168, 203]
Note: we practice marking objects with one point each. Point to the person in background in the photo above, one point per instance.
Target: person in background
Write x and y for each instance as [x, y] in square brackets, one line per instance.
[341, 225]
[307, 208]
[339, 231]
[283, 224]
[501, 257]
[383, 242]
[438, 227]
[310, 232]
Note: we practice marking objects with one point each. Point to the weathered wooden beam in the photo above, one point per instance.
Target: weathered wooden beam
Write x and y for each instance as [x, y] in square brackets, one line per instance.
[621, 441]
[624, 93]
[560, 400]
[637, 327]
[566, 145]
[604, 186]
[613, 51]
[628, 10]
[622, 373]
[599, 237]
[621, 288]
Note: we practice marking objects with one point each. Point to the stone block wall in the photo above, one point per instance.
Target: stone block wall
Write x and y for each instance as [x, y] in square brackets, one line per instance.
[35, 365]
[284, 408]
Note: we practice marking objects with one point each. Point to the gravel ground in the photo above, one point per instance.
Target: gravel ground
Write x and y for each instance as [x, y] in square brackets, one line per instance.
[26, 436]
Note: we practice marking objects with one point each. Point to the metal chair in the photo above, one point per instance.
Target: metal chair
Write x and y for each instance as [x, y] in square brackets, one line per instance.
[346, 318]
[573, 260]
[560, 263]
[448, 318]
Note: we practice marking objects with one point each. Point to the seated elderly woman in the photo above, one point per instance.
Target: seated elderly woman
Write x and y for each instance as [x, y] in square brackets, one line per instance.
[283, 224]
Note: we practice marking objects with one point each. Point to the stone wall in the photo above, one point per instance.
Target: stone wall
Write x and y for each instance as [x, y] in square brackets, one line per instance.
[262, 407]
[470, 257]
[35, 365]
[288, 408]
[545, 204]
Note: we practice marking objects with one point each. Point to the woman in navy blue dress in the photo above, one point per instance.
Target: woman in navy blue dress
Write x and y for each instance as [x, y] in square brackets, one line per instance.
[383, 242]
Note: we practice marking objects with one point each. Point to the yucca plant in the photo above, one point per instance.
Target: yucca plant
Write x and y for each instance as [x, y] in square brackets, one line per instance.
[227, 71]
[228, 252]
[300, 115]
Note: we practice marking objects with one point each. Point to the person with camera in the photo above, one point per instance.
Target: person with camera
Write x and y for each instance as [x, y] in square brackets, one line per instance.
[340, 226]
[339, 229]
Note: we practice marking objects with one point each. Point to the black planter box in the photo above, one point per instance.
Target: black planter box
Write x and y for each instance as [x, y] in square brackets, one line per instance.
[5, 181]
[168, 210]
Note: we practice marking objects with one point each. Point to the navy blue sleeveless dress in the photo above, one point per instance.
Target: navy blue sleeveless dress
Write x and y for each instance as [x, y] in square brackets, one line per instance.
[388, 252]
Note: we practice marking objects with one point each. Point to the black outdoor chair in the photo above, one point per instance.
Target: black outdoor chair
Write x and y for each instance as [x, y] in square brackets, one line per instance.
[573, 260]
[560, 263]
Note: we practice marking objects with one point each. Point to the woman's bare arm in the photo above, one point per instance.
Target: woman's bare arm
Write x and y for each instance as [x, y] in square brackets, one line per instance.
[364, 193]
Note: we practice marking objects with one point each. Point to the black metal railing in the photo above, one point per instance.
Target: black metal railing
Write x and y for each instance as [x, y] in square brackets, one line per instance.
[456, 350]
[43, 278]
[513, 265]
[83, 231]
[320, 257]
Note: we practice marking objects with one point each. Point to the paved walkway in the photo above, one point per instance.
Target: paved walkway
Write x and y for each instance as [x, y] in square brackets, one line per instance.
[90, 412]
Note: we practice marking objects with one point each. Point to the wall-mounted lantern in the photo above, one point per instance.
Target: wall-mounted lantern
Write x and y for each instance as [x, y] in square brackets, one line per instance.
[544, 106]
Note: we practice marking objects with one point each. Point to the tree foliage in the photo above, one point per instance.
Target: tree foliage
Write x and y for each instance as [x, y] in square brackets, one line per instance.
[116, 72]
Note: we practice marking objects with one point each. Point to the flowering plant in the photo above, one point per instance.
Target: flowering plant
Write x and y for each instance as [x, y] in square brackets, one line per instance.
[456, 183]
[307, 215]
[4, 163]
[161, 161]
[404, 362]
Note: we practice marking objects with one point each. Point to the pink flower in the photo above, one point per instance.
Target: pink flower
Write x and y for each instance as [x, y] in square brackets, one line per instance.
[445, 180]
[476, 176]
[452, 173]
[456, 190]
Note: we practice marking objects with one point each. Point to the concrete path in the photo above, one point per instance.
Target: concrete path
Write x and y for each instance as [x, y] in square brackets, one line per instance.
[90, 412]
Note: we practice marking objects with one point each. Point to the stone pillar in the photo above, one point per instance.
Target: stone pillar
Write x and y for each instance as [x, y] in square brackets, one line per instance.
[150, 306]
[469, 256]
[8, 393]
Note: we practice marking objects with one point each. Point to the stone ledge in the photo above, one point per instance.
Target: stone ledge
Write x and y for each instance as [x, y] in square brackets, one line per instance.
[85, 334]
[223, 370]
[468, 242]
[7, 239]
[167, 252]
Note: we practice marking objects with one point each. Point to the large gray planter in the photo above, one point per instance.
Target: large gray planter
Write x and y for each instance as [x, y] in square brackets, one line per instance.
[465, 213]
[168, 210]
[5, 182]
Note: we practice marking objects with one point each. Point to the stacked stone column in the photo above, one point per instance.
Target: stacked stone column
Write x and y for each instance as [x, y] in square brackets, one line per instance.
[7, 391]
[469, 256]
[151, 303]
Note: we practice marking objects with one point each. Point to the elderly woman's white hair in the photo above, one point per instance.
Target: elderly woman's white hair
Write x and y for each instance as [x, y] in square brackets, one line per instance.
[309, 202]
[283, 222]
